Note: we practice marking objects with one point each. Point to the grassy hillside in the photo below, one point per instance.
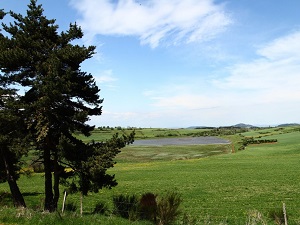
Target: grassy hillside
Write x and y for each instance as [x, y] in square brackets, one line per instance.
[227, 186]
[222, 188]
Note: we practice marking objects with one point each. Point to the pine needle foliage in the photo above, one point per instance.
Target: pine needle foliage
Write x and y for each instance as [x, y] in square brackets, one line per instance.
[58, 98]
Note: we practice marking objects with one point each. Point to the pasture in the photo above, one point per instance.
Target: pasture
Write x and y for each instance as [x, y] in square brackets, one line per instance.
[216, 185]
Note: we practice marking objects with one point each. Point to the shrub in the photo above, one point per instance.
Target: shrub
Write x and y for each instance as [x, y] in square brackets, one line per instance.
[126, 206]
[70, 207]
[168, 208]
[38, 167]
[100, 208]
[148, 207]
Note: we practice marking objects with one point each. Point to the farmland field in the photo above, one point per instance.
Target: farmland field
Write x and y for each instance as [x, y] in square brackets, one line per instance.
[217, 185]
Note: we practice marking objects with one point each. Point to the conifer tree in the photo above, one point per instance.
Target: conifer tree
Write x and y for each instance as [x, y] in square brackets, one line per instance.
[59, 97]
[12, 136]
[89, 163]
[12, 144]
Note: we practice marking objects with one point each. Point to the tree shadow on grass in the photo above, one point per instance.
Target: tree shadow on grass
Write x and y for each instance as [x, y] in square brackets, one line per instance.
[6, 198]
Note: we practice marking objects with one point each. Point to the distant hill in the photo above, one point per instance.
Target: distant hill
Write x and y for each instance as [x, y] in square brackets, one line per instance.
[242, 125]
[288, 125]
[200, 127]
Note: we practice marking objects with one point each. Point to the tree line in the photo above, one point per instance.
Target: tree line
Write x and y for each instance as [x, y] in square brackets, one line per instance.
[44, 98]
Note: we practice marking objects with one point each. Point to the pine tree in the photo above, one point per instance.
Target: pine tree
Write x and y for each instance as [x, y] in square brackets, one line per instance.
[12, 143]
[90, 161]
[12, 135]
[59, 97]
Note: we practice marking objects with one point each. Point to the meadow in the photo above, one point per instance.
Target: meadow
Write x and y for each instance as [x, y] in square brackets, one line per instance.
[218, 183]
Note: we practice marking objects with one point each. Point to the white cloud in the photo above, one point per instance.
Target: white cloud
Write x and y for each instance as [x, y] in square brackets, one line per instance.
[153, 21]
[276, 71]
[264, 90]
[105, 77]
[282, 48]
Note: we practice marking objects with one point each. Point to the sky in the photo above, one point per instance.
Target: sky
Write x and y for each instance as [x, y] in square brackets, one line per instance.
[181, 63]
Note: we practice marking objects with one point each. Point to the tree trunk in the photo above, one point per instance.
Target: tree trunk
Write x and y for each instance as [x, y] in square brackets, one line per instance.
[56, 180]
[17, 196]
[49, 204]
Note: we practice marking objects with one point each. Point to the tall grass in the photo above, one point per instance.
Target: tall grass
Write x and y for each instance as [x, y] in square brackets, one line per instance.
[30, 217]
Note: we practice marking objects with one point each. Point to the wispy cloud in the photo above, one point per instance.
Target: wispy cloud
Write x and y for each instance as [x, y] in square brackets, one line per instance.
[286, 47]
[153, 21]
[265, 83]
[106, 78]
[276, 71]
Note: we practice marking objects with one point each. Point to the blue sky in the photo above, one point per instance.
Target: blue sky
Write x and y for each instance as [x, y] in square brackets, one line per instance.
[180, 63]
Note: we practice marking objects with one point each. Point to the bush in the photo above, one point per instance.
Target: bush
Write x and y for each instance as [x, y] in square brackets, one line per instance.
[70, 207]
[161, 211]
[126, 206]
[148, 207]
[168, 208]
[38, 167]
[100, 208]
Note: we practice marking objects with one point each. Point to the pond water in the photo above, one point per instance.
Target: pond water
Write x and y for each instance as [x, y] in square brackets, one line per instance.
[182, 141]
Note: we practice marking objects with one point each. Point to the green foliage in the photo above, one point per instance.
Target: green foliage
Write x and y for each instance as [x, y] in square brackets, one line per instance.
[38, 167]
[160, 210]
[2, 14]
[70, 207]
[91, 161]
[126, 206]
[148, 207]
[58, 101]
[100, 208]
[13, 141]
[251, 140]
[12, 134]
[168, 208]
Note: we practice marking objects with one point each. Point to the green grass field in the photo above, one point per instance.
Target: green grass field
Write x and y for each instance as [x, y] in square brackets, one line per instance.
[217, 187]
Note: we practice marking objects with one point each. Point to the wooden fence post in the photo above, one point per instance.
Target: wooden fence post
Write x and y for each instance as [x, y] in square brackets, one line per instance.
[284, 214]
[64, 201]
